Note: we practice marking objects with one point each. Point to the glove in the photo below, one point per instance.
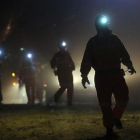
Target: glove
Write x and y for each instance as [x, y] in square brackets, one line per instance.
[132, 70]
[84, 81]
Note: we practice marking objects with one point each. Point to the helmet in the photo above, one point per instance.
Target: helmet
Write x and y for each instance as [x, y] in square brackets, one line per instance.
[101, 23]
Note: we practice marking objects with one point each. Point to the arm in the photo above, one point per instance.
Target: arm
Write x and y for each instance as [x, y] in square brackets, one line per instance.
[86, 62]
[53, 61]
[125, 57]
[71, 63]
[86, 65]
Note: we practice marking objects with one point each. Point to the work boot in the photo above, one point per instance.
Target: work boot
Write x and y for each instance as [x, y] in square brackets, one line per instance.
[109, 134]
[118, 123]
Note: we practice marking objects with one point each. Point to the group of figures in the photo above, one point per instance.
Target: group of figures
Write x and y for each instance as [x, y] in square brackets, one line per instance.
[104, 53]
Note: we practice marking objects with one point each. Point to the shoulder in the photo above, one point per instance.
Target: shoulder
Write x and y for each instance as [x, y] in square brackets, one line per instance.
[93, 38]
[67, 53]
[57, 53]
[114, 36]
[92, 41]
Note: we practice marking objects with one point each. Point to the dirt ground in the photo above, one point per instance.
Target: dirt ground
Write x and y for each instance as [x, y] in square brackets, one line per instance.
[80, 122]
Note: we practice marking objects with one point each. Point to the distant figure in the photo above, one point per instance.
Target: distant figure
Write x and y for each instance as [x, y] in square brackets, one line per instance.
[105, 53]
[28, 74]
[1, 98]
[41, 84]
[63, 66]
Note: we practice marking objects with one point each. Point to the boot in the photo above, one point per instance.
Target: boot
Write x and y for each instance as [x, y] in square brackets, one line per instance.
[109, 134]
[118, 123]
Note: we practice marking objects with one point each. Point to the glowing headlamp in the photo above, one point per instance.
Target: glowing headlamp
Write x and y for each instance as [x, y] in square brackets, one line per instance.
[21, 49]
[104, 20]
[64, 44]
[29, 55]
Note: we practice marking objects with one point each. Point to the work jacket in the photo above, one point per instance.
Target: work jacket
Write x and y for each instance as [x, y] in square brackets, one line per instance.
[62, 61]
[105, 52]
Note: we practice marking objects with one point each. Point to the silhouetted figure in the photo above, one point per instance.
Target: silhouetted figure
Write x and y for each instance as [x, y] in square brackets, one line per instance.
[105, 53]
[41, 84]
[28, 74]
[1, 98]
[63, 66]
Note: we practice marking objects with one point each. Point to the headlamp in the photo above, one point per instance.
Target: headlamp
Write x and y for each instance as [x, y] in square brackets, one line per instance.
[64, 44]
[29, 55]
[104, 20]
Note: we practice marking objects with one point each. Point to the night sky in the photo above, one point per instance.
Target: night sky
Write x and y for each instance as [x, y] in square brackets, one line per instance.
[38, 24]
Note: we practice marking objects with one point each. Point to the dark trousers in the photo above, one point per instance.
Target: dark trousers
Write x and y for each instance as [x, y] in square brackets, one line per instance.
[66, 82]
[107, 84]
[1, 98]
[30, 86]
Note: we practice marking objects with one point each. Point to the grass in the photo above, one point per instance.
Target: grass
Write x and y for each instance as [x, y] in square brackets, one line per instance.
[81, 122]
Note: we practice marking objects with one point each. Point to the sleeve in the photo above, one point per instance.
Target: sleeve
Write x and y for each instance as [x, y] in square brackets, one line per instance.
[53, 61]
[124, 55]
[71, 62]
[86, 62]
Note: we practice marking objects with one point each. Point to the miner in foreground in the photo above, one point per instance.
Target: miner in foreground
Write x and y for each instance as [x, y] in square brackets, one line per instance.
[104, 53]
[63, 66]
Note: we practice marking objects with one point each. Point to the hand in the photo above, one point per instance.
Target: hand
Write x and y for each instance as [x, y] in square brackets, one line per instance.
[84, 81]
[132, 70]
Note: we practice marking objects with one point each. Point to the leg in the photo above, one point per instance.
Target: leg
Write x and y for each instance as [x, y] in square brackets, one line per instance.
[62, 83]
[120, 91]
[0, 91]
[69, 81]
[103, 83]
[27, 88]
[69, 95]
[33, 86]
[59, 93]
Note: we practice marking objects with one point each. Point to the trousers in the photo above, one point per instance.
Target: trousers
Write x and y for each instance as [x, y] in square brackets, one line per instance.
[65, 79]
[30, 86]
[107, 84]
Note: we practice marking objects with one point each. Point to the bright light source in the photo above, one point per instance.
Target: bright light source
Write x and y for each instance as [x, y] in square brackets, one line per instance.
[91, 85]
[45, 85]
[21, 49]
[0, 52]
[104, 20]
[14, 83]
[29, 55]
[64, 44]
[13, 74]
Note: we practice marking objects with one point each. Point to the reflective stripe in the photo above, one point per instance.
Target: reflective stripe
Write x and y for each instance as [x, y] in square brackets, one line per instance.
[105, 104]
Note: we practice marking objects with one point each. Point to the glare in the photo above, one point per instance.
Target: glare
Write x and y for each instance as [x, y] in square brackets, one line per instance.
[21, 49]
[91, 85]
[64, 44]
[29, 55]
[104, 20]
[0, 52]
[14, 83]
[13, 74]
